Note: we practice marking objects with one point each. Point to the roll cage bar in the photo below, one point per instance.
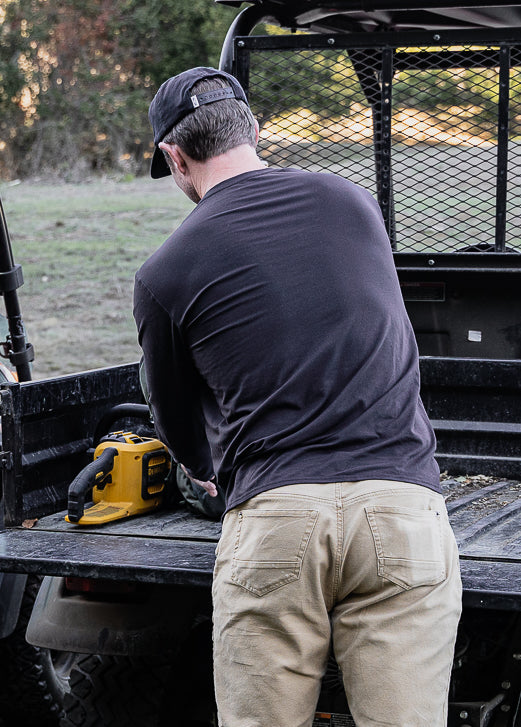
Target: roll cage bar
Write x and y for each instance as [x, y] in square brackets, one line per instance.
[368, 16]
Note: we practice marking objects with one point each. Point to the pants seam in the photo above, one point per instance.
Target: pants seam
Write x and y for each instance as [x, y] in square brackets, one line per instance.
[340, 540]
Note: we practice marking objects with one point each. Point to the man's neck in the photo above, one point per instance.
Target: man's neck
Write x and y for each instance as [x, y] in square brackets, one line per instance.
[206, 175]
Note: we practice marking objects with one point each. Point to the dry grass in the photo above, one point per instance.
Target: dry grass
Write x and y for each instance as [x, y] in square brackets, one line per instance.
[79, 246]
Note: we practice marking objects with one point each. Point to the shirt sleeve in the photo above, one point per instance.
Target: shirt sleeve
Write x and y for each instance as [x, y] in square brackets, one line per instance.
[174, 385]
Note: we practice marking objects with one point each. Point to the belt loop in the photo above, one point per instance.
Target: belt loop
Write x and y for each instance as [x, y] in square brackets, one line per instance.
[338, 495]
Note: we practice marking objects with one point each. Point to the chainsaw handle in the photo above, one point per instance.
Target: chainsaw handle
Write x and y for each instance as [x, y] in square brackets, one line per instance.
[90, 475]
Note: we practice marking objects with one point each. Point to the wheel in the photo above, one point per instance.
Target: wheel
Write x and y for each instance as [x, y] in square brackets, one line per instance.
[33, 680]
[152, 691]
[110, 691]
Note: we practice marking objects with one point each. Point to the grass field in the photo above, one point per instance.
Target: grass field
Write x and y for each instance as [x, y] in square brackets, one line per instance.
[79, 246]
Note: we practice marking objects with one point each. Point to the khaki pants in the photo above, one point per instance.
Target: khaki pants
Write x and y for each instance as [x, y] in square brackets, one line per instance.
[371, 565]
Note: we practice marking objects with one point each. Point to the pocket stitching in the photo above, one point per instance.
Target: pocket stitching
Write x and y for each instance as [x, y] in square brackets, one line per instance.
[384, 562]
[311, 516]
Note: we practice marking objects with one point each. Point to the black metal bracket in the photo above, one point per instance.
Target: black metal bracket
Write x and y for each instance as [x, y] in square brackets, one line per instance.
[11, 279]
[473, 714]
[6, 460]
[502, 147]
[22, 357]
[384, 143]
[20, 353]
[6, 401]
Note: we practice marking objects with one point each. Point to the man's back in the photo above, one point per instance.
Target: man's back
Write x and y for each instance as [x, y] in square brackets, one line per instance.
[281, 289]
[279, 357]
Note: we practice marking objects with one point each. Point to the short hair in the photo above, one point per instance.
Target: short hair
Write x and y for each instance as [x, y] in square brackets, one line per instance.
[213, 128]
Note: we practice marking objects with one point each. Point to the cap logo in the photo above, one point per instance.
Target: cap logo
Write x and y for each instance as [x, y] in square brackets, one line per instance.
[210, 96]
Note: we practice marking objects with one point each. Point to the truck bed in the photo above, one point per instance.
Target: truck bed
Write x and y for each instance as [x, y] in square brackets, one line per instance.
[48, 427]
[178, 547]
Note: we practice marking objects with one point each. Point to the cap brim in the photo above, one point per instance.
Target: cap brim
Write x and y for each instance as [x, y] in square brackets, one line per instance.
[159, 168]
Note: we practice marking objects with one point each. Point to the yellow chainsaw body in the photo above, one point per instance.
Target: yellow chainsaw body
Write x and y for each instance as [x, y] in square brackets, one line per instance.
[136, 483]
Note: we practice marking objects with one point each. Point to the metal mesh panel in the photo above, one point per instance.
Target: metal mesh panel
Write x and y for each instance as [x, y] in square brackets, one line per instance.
[303, 100]
[320, 109]
[444, 155]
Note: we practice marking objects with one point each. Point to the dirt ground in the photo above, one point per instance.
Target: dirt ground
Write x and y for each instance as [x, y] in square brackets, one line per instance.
[79, 246]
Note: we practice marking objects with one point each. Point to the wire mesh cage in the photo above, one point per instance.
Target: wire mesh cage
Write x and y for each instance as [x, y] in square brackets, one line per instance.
[434, 132]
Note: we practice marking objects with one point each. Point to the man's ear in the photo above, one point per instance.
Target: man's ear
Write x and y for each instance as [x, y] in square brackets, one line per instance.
[256, 132]
[176, 156]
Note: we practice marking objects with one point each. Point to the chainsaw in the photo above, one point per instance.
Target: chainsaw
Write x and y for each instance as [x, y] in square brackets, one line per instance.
[127, 477]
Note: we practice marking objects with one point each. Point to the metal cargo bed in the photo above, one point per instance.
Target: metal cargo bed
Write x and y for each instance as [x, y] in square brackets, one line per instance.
[177, 547]
[48, 427]
[485, 519]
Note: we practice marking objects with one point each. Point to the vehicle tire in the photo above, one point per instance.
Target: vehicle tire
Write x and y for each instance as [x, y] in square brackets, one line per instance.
[33, 680]
[174, 689]
[116, 691]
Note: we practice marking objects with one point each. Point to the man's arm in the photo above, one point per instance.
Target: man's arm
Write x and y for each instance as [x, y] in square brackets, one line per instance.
[174, 387]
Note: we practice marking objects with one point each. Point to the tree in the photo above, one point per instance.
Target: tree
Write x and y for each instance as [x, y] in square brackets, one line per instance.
[76, 77]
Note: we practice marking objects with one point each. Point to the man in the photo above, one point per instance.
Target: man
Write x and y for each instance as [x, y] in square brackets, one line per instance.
[281, 364]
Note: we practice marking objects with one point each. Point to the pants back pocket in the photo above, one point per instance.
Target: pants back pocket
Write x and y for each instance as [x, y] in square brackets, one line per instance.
[409, 545]
[270, 548]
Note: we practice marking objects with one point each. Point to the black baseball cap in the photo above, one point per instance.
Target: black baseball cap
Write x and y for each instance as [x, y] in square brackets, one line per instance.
[173, 102]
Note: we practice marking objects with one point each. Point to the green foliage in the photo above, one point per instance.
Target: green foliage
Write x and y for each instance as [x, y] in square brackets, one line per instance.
[164, 38]
[77, 76]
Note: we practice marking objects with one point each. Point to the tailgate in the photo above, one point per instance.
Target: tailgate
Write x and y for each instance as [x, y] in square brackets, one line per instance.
[169, 547]
[178, 547]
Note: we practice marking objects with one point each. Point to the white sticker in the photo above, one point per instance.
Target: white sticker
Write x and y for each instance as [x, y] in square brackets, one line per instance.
[475, 336]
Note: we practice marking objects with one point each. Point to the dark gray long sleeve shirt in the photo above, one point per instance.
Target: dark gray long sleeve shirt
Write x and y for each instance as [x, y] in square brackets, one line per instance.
[276, 342]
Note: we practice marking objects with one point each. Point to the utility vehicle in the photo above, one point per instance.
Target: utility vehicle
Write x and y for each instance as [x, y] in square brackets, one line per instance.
[422, 105]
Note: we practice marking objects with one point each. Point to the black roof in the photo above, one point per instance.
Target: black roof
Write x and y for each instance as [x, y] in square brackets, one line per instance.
[349, 16]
